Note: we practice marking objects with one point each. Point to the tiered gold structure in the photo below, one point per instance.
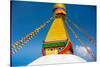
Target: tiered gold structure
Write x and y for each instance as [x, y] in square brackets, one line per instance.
[57, 40]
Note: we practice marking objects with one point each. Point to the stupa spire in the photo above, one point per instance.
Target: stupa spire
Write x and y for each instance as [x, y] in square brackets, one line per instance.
[57, 40]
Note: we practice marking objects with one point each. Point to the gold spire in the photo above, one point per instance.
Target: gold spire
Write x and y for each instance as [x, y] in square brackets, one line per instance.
[57, 31]
[57, 40]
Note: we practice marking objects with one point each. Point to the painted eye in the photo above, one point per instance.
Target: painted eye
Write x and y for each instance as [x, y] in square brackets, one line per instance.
[51, 49]
[60, 48]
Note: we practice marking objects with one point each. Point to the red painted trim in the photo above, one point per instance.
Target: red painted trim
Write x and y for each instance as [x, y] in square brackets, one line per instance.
[66, 48]
[42, 51]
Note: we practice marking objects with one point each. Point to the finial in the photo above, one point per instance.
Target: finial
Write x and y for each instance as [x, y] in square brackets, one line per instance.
[60, 9]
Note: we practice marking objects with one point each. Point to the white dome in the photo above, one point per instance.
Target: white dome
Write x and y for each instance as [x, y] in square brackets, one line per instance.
[55, 59]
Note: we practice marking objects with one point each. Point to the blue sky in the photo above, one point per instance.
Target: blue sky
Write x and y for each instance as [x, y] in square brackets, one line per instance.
[26, 16]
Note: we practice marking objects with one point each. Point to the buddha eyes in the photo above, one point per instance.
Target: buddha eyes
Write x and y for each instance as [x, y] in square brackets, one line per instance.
[59, 49]
[51, 49]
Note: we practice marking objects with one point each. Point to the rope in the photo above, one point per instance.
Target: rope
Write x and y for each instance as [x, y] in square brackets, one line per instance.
[76, 36]
[21, 43]
[90, 39]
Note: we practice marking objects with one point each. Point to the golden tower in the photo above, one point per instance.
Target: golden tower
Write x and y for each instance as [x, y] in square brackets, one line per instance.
[57, 40]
